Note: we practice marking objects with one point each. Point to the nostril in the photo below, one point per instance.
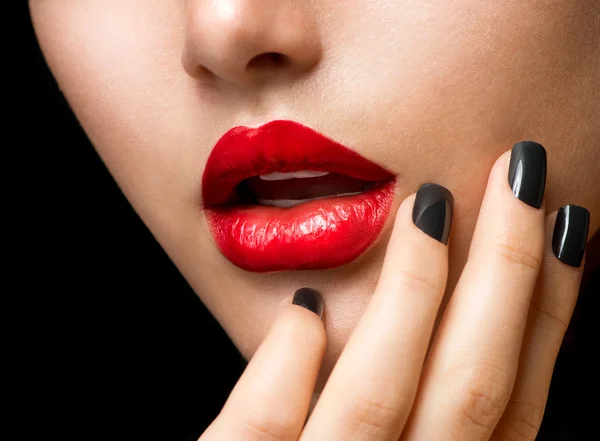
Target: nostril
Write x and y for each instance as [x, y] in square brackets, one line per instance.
[268, 59]
[206, 72]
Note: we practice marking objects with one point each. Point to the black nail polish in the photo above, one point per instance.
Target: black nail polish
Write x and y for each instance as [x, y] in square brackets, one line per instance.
[570, 234]
[527, 172]
[432, 212]
[310, 299]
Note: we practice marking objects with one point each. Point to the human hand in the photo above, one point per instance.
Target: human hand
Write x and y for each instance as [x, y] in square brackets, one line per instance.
[487, 372]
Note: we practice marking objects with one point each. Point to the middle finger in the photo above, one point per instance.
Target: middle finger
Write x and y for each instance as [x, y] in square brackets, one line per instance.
[371, 389]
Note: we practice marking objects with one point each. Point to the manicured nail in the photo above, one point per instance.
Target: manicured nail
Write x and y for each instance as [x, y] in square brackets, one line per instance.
[570, 234]
[527, 172]
[432, 212]
[310, 299]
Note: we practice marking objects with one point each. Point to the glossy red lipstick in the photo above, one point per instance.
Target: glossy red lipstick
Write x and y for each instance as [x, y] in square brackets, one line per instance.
[317, 233]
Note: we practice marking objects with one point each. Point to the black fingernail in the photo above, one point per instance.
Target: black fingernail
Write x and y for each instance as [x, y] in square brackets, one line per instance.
[527, 172]
[432, 212]
[310, 299]
[570, 234]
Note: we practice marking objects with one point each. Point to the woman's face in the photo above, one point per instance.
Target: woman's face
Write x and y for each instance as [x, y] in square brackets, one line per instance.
[431, 90]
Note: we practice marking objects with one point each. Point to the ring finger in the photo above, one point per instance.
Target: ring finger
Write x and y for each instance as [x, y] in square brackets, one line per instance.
[550, 313]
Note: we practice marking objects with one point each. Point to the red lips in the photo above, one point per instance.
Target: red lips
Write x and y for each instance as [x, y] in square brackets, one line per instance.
[315, 234]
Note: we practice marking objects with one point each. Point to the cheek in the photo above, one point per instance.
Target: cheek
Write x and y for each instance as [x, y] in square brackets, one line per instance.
[118, 64]
[465, 75]
[114, 61]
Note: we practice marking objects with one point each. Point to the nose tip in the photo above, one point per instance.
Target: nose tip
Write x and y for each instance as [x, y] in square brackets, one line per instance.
[248, 42]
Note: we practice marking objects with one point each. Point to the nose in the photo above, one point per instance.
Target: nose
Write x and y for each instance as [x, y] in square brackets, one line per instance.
[248, 42]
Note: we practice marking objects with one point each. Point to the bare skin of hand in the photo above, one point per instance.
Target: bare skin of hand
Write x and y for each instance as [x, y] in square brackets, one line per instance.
[485, 373]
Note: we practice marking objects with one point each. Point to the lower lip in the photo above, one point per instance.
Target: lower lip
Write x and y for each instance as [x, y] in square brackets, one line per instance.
[320, 234]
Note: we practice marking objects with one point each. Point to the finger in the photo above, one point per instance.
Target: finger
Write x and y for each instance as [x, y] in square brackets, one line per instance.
[550, 314]
[270, 401]
[471, 369]
[370, 391]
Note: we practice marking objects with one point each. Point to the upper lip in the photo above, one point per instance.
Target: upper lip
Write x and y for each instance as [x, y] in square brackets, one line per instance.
[282, 146]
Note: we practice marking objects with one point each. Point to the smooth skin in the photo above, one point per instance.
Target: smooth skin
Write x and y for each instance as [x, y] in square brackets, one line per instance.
[435, 90]
[486, 375]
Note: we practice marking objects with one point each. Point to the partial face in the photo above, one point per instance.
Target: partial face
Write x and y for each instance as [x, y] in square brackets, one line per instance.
[387, 95]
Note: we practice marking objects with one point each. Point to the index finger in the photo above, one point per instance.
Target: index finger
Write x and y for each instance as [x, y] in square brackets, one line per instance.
[271, 399]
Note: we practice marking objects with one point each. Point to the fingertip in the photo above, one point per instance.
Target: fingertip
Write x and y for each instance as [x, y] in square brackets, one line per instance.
[557, 273]
[405, 208]
[287, 300]
[500, 168]
[432, 211]
[504, 159]
[403, 215]
[299, 319]
[570, 228]
[527, 172]
[522, 172]
[310, 299]
[514, 194]
[419, 241]
[302, 309]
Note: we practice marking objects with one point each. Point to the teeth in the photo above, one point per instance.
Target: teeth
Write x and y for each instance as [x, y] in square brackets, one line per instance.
[278, 176]
[287, 203]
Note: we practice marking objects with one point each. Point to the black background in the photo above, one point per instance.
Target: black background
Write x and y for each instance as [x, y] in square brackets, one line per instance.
[113, 342]
[118, 345]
